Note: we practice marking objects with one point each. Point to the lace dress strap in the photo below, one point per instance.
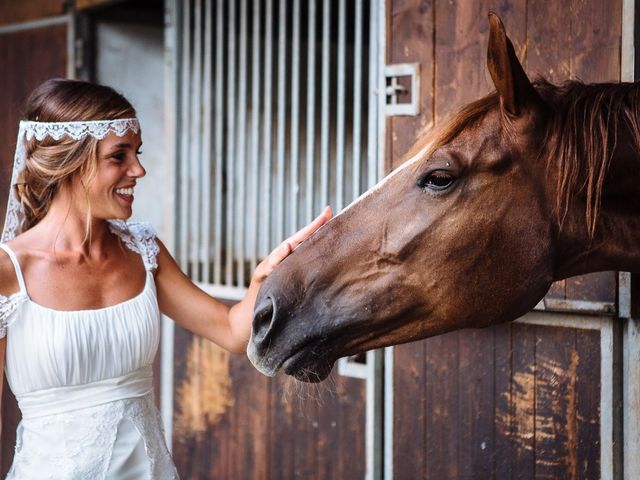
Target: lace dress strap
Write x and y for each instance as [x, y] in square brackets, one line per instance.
[139, 237]
[8, 305]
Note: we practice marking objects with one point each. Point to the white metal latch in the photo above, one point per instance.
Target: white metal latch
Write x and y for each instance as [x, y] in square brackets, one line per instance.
[396, 92]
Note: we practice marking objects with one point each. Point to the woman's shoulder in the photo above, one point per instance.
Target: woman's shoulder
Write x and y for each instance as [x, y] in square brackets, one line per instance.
[140, 237]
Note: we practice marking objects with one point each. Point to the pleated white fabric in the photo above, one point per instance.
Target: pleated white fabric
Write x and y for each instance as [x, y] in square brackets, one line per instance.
[83, 381]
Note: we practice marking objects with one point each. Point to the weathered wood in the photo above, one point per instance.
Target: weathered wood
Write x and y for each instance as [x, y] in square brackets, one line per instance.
[549, 29]
[329, 448]
[203, 405]
[460, 52]
[595, 287]
[588, 403]
[239, 424]
[442, 398]
[304, 434]
[349, 428]
[596, 36]
[410, 409]
[476, 384]
[248, 457]
[12, 11]
[521, 396]
[503, 409]
[556, 433]
[88, 4]
[410, 39]
[281, 425]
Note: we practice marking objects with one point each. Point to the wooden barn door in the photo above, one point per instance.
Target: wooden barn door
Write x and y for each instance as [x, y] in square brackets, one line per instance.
[33, 48]
[539, 397]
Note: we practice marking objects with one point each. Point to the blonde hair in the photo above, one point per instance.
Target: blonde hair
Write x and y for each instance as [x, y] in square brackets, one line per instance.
[51, 163]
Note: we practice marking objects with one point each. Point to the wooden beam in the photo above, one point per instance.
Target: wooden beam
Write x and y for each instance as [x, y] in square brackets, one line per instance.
[25, 11]
[88, 4]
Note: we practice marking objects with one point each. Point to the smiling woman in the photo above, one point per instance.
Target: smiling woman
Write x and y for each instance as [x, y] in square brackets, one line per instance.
[116, 175]
[82, 290]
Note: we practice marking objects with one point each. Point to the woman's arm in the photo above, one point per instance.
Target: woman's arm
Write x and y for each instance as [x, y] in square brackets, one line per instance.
[207, 317]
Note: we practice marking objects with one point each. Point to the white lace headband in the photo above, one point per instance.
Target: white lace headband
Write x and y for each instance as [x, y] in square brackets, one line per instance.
[40, 130]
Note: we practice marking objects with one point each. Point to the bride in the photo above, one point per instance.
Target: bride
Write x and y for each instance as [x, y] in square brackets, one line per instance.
[82, 290]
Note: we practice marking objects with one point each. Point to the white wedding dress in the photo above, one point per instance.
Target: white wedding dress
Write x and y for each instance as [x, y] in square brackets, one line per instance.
[83, 381]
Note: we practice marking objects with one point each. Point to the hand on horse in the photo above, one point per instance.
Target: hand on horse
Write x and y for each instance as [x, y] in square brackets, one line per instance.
[237, 326]
[282, 251]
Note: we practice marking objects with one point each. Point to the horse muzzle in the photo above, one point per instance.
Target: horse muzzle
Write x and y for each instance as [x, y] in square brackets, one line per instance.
[281, 342]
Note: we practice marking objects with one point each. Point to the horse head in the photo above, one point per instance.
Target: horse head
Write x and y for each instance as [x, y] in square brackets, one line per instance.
[464, 234]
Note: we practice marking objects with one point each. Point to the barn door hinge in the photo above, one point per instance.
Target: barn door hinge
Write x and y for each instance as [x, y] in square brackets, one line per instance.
[402, 89]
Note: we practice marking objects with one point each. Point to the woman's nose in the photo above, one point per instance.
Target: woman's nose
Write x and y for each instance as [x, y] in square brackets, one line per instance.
[137, 170]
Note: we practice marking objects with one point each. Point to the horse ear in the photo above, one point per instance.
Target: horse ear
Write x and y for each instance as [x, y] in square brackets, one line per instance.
[515, 90]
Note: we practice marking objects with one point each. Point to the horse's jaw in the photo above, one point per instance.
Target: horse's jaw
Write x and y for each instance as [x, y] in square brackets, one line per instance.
[305, 338]
[306, 347]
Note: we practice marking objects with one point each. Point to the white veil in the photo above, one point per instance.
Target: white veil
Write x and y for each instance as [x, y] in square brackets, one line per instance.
[40, 130]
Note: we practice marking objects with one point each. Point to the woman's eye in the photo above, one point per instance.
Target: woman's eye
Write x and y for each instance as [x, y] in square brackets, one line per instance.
[139, 152]
[437, 180]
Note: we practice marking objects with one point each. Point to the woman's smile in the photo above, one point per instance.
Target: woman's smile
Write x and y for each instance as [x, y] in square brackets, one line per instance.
[125, 194]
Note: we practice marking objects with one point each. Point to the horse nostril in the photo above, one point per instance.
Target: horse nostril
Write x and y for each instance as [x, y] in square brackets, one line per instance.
[262, 319]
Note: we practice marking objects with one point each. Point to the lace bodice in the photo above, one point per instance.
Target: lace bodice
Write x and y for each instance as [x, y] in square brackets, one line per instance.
[78, 375]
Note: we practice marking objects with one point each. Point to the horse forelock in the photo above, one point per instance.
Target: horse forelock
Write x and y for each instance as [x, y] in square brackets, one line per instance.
[581, 137]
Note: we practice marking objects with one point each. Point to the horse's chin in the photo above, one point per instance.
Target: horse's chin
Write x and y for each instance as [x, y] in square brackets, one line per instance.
[304, 365]
[307, 367]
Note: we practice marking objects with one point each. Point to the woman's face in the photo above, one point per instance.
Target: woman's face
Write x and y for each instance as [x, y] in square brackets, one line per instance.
[111, 191]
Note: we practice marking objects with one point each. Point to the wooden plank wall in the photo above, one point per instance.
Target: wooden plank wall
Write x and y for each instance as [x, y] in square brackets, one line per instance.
[12, 11]
[514, 401]
[232, 422]
[27, 59]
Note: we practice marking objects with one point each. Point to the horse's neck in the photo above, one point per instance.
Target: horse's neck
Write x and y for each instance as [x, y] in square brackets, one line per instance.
[616, 243]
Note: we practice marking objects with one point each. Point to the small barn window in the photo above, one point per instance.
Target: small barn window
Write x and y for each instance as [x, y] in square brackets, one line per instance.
[277, 117]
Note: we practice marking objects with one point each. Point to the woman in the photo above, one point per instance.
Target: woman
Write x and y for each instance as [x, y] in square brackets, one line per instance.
[82, 291]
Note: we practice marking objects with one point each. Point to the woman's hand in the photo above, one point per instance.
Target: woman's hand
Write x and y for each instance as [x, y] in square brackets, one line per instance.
[241, 314]
[207, 317]
[268, 265]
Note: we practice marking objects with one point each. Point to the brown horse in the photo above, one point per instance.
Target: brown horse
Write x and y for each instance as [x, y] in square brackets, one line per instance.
[531, 184]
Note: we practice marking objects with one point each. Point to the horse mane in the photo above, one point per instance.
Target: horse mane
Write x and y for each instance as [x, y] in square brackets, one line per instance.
[582, 135]
[582, 130]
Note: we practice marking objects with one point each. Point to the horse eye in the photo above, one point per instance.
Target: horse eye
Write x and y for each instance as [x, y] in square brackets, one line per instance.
[437, 180]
